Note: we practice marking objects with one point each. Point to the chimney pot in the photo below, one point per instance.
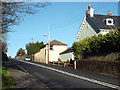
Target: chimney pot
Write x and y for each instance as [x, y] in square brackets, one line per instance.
[90, 6]
[110, 13]
[90, 11]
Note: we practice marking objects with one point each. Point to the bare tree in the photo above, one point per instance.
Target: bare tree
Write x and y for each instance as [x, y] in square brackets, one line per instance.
[13, 12]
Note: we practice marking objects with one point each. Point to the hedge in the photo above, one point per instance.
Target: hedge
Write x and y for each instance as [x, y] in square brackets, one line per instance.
[98, 44]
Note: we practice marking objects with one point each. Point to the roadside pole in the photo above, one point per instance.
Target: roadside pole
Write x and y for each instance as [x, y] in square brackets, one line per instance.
[74, 64]
[48, 44]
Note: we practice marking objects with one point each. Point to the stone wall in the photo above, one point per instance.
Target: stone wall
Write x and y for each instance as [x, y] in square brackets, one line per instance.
[103, 63]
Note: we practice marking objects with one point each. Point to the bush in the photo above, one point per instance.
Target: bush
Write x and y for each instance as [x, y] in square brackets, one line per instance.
[98, 44]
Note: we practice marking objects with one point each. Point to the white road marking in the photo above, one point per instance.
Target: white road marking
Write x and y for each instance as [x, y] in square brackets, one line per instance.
[77, 76]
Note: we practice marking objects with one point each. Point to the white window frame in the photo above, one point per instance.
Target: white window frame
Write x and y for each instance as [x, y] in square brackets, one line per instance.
[107, 21]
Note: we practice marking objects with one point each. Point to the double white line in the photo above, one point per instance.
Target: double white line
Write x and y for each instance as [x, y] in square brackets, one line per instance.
[77, 76]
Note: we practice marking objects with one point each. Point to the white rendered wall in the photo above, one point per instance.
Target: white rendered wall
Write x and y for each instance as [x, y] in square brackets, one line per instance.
[54, 54]
[104, 31]
[40, 56]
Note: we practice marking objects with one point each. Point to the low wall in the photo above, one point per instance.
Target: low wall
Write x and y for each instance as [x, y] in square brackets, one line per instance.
[104, 67]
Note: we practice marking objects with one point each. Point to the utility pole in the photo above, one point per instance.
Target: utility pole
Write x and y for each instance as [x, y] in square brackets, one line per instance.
[48, 44]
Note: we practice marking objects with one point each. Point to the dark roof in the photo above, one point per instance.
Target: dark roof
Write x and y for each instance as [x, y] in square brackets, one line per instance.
[99, 21]
[54, 42]
[67, 51]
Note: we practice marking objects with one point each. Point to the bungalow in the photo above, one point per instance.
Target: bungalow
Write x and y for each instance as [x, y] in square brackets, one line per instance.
[56, 47]
[95, 24]
[67, 55]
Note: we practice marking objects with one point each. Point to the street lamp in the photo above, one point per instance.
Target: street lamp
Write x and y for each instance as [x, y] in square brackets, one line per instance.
[48, 44]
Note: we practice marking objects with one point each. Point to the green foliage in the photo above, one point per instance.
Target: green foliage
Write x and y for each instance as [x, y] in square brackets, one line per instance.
[98, 44]
[20, 52]
[33, 48]
[7, 79]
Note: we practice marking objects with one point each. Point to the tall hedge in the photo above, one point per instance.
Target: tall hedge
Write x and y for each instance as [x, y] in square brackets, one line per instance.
[98, 44]
[33, 48]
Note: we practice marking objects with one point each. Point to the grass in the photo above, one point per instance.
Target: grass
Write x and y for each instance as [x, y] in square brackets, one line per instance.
[7, 79]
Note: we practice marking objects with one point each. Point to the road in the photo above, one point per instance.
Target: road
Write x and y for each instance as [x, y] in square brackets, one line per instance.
[59, 77]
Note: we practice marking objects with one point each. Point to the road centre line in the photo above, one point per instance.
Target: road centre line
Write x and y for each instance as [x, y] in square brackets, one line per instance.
[77, 76]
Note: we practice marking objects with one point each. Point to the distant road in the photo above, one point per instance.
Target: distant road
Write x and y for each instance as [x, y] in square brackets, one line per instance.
[59, 77]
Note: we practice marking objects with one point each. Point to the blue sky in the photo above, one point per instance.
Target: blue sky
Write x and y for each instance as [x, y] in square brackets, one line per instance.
[65, 19]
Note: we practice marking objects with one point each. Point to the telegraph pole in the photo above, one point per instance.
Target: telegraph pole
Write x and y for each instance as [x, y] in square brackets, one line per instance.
[48, 43]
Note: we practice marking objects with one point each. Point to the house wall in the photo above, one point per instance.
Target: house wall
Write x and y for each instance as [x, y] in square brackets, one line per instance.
[105, 31]
[88, 30]
[54, 54]
[67, 56]
[40, 56]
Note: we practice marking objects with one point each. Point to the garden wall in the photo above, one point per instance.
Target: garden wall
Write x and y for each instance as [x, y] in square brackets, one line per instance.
[104, 67]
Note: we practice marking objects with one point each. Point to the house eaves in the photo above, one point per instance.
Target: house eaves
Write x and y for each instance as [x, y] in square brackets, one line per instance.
[81, 27]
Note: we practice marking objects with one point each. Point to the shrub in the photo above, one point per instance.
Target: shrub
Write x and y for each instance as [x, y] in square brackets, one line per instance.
[98, 44]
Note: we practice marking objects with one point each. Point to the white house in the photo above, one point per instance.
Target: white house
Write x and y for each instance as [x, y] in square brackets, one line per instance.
[95, 24]
[56, 47]
[67, 55]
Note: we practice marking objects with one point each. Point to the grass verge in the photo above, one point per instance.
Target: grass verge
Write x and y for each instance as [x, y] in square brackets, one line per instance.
[7, 79]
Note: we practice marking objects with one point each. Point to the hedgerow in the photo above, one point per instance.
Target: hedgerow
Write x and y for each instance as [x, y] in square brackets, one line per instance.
[98, 44]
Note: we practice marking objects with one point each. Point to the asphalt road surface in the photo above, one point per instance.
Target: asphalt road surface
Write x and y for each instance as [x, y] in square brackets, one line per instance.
[59, 77]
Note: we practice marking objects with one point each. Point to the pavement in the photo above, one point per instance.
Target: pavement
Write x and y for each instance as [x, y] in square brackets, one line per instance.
[23, 80]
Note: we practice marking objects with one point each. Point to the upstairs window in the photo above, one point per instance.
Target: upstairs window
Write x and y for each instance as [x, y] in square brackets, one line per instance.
[51, 47]
[109, 21]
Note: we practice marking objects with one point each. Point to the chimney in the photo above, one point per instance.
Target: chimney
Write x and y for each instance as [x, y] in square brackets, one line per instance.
[90, 11]
[109, 13]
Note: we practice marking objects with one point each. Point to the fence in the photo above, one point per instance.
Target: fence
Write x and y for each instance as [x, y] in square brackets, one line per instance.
[62, 64]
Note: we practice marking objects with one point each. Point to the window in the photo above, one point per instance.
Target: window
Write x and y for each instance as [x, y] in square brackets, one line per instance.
[109, 21]
[51, 47]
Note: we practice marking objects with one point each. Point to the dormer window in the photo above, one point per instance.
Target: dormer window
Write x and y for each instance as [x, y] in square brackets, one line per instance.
[109, 21]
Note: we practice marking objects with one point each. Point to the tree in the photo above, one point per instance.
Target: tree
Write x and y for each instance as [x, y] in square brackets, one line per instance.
[33, 48]
[20, 52]
[13, 12]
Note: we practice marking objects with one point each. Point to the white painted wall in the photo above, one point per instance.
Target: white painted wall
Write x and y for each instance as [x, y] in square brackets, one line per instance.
[40, 56]
[54, 54]
[104, 31]
[67, 56]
